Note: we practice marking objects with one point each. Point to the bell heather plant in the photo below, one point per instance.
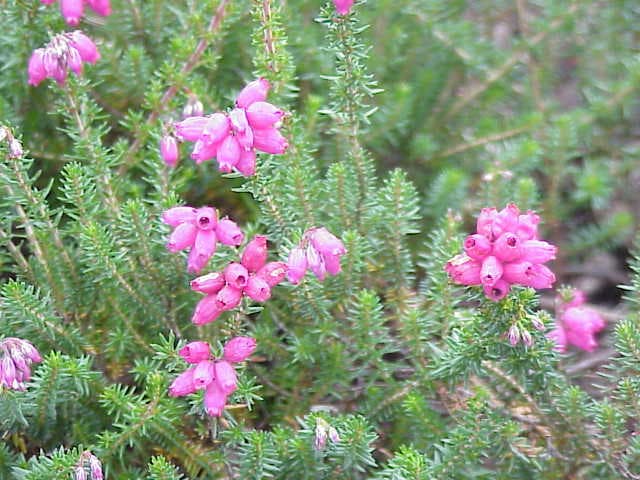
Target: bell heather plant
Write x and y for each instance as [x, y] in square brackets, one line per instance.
[372, 144]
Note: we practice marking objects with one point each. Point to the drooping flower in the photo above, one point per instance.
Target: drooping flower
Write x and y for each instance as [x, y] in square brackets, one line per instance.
[216, 376]
[199, 230]
[504, 251]
[73, 10]
[576, 324]
[233, 138]
[252, 277]
[17, 355]
[169, 150]
[319, 251]
[65, 51]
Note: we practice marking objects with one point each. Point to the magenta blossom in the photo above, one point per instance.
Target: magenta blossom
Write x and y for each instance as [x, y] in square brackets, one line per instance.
[216, 377]
[73, 10]
[504, 251]
[65, 51]
[17, 355]
[343, 7]
[253, 277]
[233, 138]
[576, 324]
[199, 230]
[319, 251]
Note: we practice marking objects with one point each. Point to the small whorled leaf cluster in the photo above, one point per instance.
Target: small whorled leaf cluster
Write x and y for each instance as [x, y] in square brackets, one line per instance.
[504, 251]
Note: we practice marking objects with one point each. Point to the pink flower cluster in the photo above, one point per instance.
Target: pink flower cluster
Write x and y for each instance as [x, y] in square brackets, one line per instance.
[343, 7]
[216, 376]
[233, 138]
[253, 277]
[73, 10]
[320, 251]
[576, 324]
[94, 465]
[199, 230]
[17, 357]
[65, 51]
[504, 251]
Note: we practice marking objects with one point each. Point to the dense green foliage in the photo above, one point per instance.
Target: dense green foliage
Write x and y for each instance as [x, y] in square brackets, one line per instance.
[406, 118]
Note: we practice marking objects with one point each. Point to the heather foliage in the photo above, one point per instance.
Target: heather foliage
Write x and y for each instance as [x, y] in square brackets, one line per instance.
[301, 307]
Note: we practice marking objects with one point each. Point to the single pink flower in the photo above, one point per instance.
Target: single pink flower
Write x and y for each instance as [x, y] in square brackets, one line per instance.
[216, 128]
[229, 233]
[273, 273]
[296, 265]
[257, 289]
[247, 163]
[206, 311]
[255, 253]
[508, 247]
[464, 270]
[270, 141]
[169, 150]
[195, 352]
[214, 400]
[263, 115]
[177, 215]
[255, 91]
[203, 374]
[182, 237]
[343, 7]
[210, 283]
[477, 246]
[101, 7]
[228, 297]
[238, 349]
[226, 377]
[497, 291]
[491, 271]
[236, 275]
[85, 46]
[536, 251]
[183, 384]
[228, 154]
[191, 128]
[36, 70]
[72, 11]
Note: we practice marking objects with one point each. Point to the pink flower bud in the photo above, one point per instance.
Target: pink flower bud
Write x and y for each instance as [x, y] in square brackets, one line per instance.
[255, 253]
[101, 7]
[273, 273]
[497, 291]
[182, 237]
[15, 148]
[343, 7]
[228, 154]
[316, 263]
[72, 11]
[177, 215]
[211, 283]
[216, 128]
[484, 225]
[526, 338]
[238, 349]
[326, 243]
[214, 400]
[207, 310]
[269, 141]
[541, 277]
[296, 265]
[537, 323]
[263, 115]
[507, 247]
[169, 150]
[193, 108]
[203, 152]
[228, 232]
[255, 91]
[203, 374]
[85, 46]
[536, 251]
[257, 289]
[206, 218]
[491, 271]
[228, 297]
[183, 384]
[464, 270]
[477, 246]
[36, 70]
[191, 128]
[195, 352]
[236, 275]
[514, 335]
[226, 377]
[247, 163]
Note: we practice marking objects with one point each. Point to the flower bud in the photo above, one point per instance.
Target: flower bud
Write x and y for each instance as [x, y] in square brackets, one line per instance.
[526, 338]
[211, 283]
[195, 352]
[343, 7]
[238, 349]
[169, 150]
[514, 335]
[255, 253]
[255, 91]
[96, 468]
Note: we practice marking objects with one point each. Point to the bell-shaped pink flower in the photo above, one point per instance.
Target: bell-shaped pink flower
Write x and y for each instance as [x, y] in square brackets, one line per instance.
[506, 220]
[255, 91]
[296, 265]
[315, 263]
[215, 129]
[243, 132]
[263, 115]
[206, 218]
[203, 374]
[247, 163]
[177, 215]
[36, 70]
[85, 46]
[273, 273]
[326, 243]
[206, 311]
[236, 275]
[169, 150]
[203, 152]
[464, 270]
[195, 352]
[537, 251]
[238, 349]
[214, 400]
[182, 237]
[255, 253]
[183, 384]
[491, 271]
[477, 246]
[343, 7]
[257, 289]
[226, 377]
[211, 283]
[541, 277]
[228, 297]
[198, 258]
[228, 154]
[229, 233]
[191, 128]
[270, 141]
[497, 291]
[72, 11]
[508, 247]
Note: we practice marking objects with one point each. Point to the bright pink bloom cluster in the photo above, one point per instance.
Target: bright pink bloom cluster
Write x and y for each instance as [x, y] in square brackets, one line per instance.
[233, 138]
[253, 277]
[73, 10]
[343, 7]
[65, 51]
[504, 251]
[199, 230]
[576, 324]
[17, 356]
[216, 376]
[90, 461]
[319, 251]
